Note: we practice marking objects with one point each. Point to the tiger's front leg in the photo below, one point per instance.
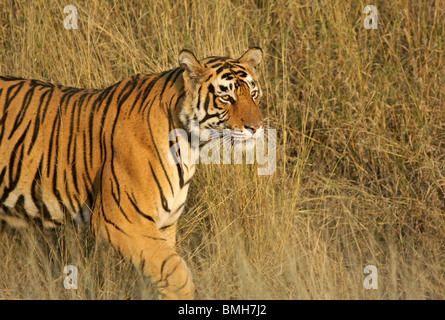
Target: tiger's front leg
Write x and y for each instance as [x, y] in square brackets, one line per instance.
[135, 235]
[169, 233]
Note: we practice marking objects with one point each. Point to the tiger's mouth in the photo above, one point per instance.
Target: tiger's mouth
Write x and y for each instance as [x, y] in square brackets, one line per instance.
[236, 137]
[229, 136]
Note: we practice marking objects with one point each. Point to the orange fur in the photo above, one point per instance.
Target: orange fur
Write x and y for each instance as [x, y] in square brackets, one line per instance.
[100, 156]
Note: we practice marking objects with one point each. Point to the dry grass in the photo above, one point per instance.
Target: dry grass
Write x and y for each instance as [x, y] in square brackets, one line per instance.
[360, 173]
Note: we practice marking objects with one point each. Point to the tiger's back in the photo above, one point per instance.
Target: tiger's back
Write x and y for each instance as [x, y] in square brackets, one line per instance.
[49, 145]
[101, 157]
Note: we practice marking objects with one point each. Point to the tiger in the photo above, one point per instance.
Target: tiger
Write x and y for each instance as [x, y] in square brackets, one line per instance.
[99, 157]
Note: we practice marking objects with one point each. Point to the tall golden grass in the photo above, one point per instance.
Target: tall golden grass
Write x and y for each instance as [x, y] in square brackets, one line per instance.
[360, 177]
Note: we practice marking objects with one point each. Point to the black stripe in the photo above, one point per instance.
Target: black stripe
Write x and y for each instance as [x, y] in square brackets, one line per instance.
[157, 152]
[134, 103]
[188, 181]
[163, 200]
[113, 224]
[223, 67]
[102, 211]
[47, 104]
[208, 116]
[74, 167]
[178, 165]
[91, 124]
[239, 66]
[227, 76]
[37, 120]
[164, 278]
[24, 107]
[8, 101]
[71, 135]
[56, 192]
[185, 283]
[146, 94]
[14, 177]
[118, 202]
[180, 207]
[167, 81]
[207, 102]
[68, 192]
[56, 123]
[166, 227]
[216, 65]
[177, 104]
[243, 74]
[181, 71]
[35, 196]
[154, 238]
[2, 175]
[20, 203]
[164, 263]
[104, 114]
[85, 160]
[142, 262]
[133, 202]
[113, 171]
[214, 59]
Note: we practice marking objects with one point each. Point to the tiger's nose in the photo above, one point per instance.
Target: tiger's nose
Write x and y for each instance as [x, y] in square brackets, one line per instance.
[254, 128]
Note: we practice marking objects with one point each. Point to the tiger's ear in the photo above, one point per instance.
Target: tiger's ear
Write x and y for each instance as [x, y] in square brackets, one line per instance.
[188, 62]
[252, 57]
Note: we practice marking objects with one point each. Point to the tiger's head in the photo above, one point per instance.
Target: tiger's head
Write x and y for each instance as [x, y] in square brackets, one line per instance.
[222, 93]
